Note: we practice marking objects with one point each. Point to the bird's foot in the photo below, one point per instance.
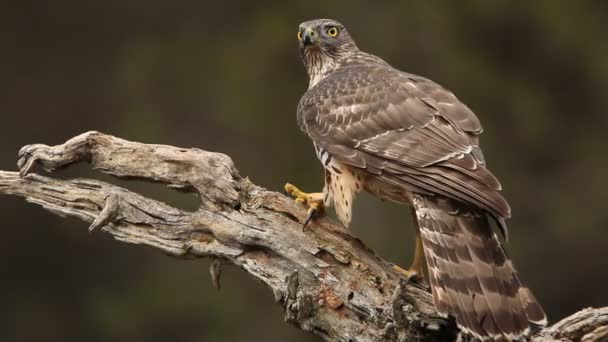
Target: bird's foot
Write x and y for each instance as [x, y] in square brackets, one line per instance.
[314, 202]
[410, 275]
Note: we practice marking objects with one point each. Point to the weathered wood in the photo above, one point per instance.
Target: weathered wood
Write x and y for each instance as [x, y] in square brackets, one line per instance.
[327, 280]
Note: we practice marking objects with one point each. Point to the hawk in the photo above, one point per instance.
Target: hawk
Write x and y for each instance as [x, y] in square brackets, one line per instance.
[404, 138]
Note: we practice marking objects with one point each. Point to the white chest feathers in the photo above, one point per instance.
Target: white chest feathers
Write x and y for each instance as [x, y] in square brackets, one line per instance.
[342, 183]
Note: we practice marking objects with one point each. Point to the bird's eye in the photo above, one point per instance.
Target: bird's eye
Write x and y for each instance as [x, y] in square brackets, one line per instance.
[332, 31]
[299, 35]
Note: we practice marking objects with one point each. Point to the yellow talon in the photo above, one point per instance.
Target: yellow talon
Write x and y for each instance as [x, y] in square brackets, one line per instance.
[418, 263]
[408, 274]
[293, 190]
[314, 201]
[416, 270]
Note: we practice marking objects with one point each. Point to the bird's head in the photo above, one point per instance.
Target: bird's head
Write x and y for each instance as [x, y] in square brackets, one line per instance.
[323, 42]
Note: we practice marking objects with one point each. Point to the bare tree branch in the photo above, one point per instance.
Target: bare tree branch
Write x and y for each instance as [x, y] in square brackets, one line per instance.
[327, 280]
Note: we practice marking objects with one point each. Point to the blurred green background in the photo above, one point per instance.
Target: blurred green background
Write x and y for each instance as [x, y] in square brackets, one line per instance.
[225, 76]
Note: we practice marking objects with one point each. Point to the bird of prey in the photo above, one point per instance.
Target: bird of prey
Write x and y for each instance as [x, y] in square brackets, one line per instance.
[404, 138]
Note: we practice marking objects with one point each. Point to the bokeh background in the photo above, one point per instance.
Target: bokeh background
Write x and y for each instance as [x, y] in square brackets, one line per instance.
[225, 76]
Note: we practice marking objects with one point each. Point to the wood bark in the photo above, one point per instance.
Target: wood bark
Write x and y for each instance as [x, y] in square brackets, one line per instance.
[327, 280]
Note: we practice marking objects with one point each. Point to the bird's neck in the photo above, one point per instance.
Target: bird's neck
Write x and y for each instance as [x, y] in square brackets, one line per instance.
[318, 67]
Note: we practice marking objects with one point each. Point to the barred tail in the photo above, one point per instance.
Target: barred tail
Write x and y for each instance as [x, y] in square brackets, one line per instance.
[471, 276]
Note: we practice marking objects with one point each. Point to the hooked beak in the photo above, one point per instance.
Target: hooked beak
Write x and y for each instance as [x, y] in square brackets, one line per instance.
[309, 36]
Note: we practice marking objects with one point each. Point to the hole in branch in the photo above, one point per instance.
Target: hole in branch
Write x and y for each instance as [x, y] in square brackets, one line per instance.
[187, 201]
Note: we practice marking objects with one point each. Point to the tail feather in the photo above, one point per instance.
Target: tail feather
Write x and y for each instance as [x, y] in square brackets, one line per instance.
[533, 309]
[471, 275]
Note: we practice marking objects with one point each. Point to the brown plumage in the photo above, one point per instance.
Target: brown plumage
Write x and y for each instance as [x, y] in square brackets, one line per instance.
[405, 138]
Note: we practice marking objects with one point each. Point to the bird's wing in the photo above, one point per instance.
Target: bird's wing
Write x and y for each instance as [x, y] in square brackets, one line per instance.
[407, 130]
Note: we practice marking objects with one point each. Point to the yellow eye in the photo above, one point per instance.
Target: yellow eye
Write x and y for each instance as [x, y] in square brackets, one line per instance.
[332, 31]
[299, 35]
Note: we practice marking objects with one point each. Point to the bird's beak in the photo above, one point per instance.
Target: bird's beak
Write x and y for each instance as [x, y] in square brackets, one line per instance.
[309, 36]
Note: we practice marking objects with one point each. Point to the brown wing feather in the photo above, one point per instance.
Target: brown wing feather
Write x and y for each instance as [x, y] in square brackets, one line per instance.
[399, 125]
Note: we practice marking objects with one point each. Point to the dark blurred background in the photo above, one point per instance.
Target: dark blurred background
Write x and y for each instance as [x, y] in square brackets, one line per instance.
[225, 76]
